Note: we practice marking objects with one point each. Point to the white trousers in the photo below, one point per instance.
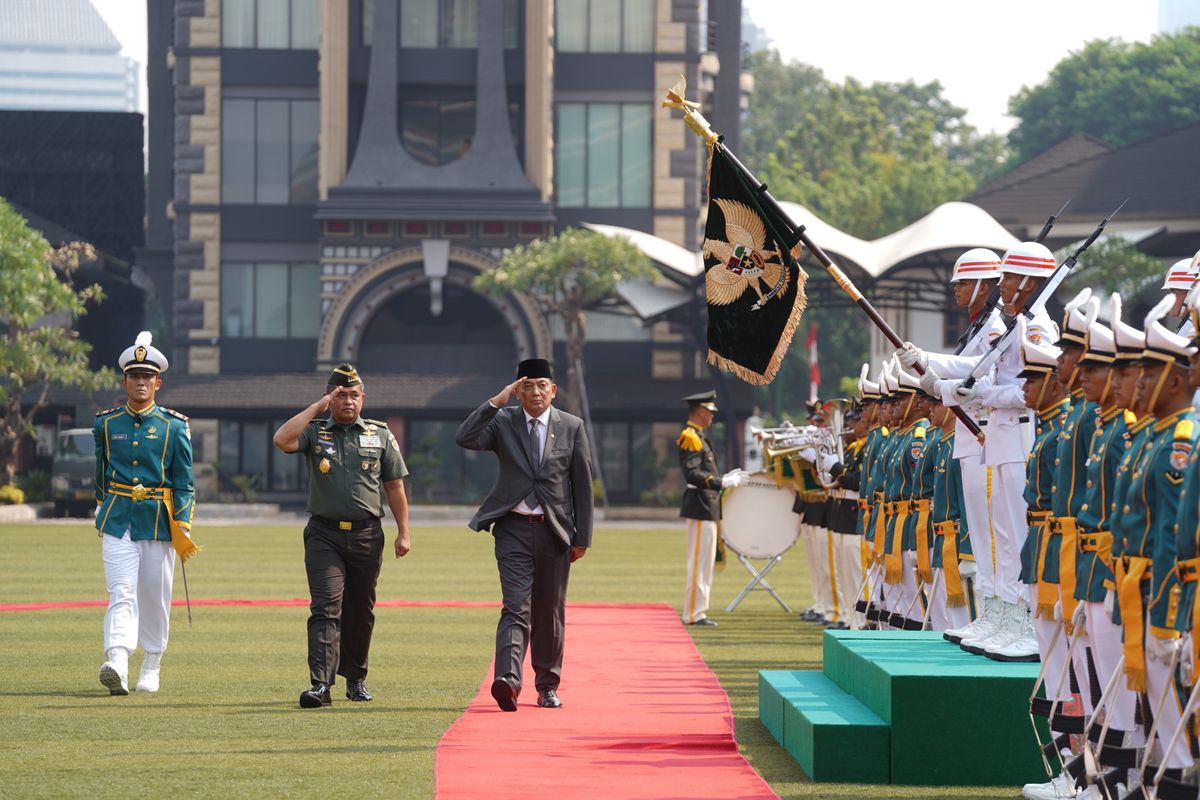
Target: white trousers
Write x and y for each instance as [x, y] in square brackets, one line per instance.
[848, 574]
[976, 502]
[1105, 640]
[1158, 679]
[1054, 659]
[941, 616]
[902, 596]
[701, 553]
[817, 546]
[139, 576]
[1009, 527]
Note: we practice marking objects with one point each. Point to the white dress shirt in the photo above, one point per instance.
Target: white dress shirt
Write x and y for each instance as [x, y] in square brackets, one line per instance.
[543, 421]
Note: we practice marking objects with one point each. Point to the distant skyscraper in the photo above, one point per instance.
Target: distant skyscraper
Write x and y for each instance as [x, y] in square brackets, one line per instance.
[1175, 15]
[58, 55]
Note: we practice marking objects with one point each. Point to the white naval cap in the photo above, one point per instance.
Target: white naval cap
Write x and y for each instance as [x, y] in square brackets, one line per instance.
[889, 375]
[1078, 316]
[1036, 358]
[1128, 340]
[907, 382]
[143, 356]
[1163, 345]
[867, 389]
[1100, 350]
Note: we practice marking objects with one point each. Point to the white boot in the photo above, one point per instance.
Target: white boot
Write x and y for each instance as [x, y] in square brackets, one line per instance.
[956, 634]
[114, 673]
[1062, 787]
[997, 614]
[1021, 643]
[148, 678]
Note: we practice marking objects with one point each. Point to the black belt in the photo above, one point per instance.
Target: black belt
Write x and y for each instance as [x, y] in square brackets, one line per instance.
[347, 524]
[983, 422]
[532, 519]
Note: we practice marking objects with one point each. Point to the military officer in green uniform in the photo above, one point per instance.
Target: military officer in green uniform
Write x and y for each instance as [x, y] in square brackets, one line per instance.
[354, 466]
[144, 516]
[701, 505]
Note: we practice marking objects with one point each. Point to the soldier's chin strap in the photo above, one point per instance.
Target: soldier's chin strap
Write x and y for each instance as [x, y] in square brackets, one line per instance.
[1158, 386]
[1042, 391]
[975, 293]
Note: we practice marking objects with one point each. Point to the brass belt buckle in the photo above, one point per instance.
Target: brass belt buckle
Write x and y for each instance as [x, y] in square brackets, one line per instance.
[346, 525]
[138, 493]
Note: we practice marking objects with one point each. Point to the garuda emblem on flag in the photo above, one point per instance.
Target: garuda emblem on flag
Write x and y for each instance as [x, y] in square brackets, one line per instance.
[754, 286]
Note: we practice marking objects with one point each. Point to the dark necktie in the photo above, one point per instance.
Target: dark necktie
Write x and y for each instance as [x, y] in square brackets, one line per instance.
[535, 454]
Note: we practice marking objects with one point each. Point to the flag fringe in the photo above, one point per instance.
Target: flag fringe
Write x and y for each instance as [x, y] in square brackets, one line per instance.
[799, 305]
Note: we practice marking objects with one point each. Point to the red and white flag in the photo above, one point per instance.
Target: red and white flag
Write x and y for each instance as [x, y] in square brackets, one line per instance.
[814, 379]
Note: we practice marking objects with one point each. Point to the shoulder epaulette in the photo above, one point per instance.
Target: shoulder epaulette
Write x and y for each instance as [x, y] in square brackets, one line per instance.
[919, 432]
[1183, 429]
[884, 429]
[1130, 417]
[172, 412]
[380, 423]
[689, 440]
[108, 411]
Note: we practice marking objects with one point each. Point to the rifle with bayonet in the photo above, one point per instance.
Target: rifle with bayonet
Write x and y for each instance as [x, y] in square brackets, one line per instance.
[1002, 342]
[983, 323]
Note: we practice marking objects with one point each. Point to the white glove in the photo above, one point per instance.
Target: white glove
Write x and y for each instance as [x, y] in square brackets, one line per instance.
[929, 382]
[910, 354]
[1110, 600]
[1160, 650]
[734, 478]
[809, 455]
[962, 394]
[967, 569]
[1186, 668]
[1058, 611]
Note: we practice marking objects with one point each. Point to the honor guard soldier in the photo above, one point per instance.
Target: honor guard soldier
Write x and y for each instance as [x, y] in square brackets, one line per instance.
[1023, 269]
[884, 523]
[1178, 280]
[870, 494]
[146, 499]
[1146, 573]
[701, 505]
[354, 467]
[953, 597]
[900, 561]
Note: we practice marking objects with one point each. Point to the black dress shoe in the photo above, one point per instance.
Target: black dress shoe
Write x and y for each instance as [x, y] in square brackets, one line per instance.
[549, 699]
[357, 691]
[316, 697]
[505, 694]
[704, 621]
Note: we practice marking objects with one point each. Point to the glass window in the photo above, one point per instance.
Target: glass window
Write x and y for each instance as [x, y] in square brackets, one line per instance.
[368, 21]
[419, 23]
[271, 301]
[613, 444]
[229, 447]
[237, 295]
[273, 30]
[512, 24]
[237, 151]
[603, 157]
[304, 301]
[306, 122]
[285, 468]
[306, 24]
[437, 132]
[254, 451]
[459, 24]
[237, 23]
[570, 171]
[429, 24]
[604, 26]
[271, 151]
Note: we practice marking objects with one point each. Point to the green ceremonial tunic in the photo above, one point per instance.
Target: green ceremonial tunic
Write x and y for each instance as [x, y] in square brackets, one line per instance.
[1136, 438]
[922, 449]
[151, 449]
[1187, 528]
[1039, 486]
[1070, 470]
[1092, 572]
[872, 476]
[948, 502]
[1161, 487]
[903, 457]
[347, 467]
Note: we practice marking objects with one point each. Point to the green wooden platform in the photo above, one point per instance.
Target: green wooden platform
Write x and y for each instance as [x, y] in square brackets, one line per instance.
[951, 718]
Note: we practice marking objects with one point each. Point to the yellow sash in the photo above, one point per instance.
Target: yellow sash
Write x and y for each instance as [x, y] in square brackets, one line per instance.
[924, 564]
[882, 511]
[893, 571]
[181, 538]
[956, 595]
[1066, 567]
[1131, 571]
[1047, 592]
[1187, 570]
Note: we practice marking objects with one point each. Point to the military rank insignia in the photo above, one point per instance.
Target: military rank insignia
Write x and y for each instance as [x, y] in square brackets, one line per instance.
[1181, 451]
[324, 466]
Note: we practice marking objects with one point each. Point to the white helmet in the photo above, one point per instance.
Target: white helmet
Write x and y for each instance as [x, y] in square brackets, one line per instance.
[1029, 258]
[1182, 273]
[978, 263]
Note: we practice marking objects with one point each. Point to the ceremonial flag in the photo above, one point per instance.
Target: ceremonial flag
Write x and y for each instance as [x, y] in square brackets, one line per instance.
[754, 286]
[814, 377]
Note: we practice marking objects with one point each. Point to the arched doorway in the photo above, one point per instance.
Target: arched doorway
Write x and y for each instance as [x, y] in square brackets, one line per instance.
[468, 336]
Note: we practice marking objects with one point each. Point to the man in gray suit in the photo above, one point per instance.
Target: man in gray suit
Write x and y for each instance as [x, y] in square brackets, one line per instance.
[540, 513]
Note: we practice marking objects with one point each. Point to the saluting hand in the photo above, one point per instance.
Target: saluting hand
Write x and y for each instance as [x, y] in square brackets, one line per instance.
[507, 392]
[325, 402]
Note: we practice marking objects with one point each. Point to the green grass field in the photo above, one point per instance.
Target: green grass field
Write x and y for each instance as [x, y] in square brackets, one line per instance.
[226, 723]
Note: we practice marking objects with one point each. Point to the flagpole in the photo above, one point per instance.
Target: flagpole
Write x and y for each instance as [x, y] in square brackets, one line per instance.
[700, 126]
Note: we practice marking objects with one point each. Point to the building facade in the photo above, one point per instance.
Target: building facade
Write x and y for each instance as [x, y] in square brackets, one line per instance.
[332, 175]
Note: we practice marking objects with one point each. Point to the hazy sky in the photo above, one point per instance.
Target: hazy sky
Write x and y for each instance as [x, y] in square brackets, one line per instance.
[981, 52]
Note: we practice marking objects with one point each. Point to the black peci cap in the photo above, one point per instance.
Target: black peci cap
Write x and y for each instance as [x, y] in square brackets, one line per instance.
[534, 368]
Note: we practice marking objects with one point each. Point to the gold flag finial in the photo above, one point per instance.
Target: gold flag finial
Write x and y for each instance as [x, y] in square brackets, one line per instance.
[691, 114]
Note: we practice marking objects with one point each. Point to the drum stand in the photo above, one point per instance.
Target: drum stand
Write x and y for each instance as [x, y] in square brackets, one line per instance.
[758, 582]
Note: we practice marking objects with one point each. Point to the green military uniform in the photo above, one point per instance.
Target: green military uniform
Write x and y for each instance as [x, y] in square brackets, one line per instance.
[1070, 487]
[348, 467]
[1136, 438]
[143, 472]
[1039, 560]
[1093, 564]
[951, 543]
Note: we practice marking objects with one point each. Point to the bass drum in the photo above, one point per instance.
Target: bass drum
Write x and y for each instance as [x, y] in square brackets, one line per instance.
[757, 520]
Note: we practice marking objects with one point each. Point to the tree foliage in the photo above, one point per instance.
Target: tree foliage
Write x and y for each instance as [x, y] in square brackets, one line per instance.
[39, 347]
[1113, 265]
[568, 274]
[1116, 91]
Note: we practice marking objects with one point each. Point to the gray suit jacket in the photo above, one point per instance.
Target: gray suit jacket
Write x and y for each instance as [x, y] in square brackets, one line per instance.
[563, 482]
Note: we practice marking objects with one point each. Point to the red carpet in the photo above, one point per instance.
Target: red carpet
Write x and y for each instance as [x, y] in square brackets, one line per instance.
[642, 717]
[290, 601]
